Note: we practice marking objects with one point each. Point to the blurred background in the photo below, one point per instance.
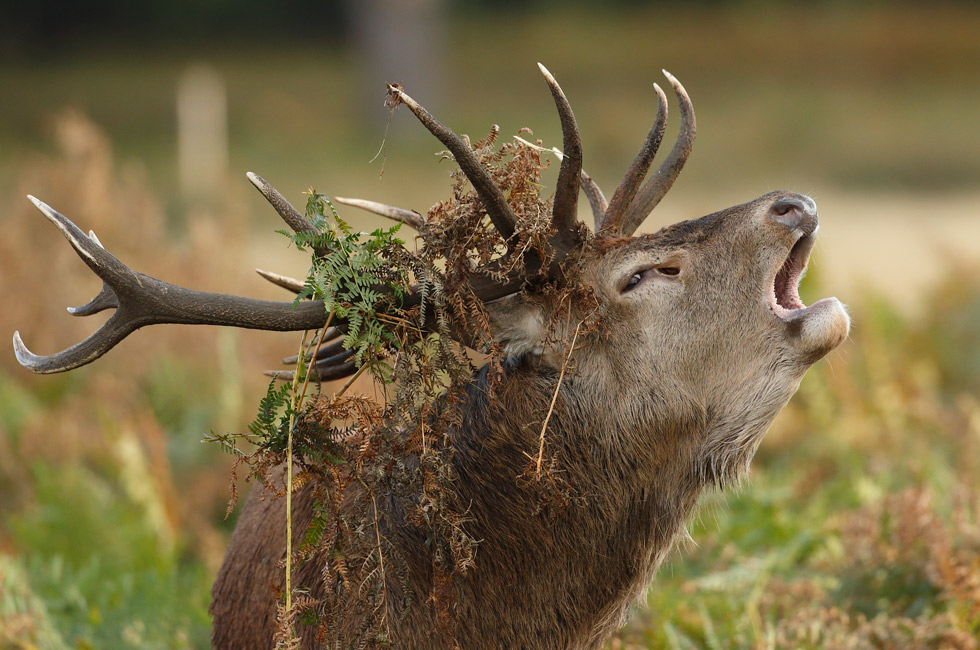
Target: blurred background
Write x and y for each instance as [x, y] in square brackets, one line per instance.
[860, 526]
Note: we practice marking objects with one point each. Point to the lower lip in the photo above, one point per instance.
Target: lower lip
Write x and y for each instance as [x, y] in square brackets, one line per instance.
[788, 315]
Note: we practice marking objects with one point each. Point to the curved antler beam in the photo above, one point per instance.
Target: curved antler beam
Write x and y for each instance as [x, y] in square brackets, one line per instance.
[657, 186]
[494, 201]
[142, 300]
[564, 216]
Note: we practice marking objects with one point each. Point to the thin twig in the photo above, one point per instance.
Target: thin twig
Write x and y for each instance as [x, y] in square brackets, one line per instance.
[350, 381]
[306, 379]
[294, 407]
[554, 398]
[381, 563]
[289, 474]
[394, 320]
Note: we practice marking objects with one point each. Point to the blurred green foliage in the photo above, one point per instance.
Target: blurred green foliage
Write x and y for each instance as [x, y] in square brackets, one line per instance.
[31, 26]
[104, 575]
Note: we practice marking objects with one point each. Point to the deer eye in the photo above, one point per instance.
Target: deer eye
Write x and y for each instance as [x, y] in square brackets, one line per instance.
[640, 276]
[635, 280]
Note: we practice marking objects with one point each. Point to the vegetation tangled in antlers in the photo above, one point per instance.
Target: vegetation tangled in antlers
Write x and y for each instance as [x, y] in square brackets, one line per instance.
[357, 451]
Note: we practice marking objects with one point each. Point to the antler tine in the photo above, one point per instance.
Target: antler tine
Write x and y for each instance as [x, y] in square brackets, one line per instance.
[657, 186]
[597, 200]
[141, 300]
[317, 373]
[494, 202]
[105, 299]
[407, 217]
[637, 171]
[564, 215]
[90, 250]
[293, 217]
[325, 350]
[77, 355]
[284, 281]
[323, 371]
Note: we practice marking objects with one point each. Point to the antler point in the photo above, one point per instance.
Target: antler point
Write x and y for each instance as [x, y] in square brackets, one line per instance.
[24, 356]
[548, 77]
[286, 282]
[45, 209]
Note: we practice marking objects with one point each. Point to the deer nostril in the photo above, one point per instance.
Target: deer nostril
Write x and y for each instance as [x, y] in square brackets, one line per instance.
[795, 212]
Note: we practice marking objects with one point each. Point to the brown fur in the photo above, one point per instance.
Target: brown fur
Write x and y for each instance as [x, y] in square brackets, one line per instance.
[671, 396]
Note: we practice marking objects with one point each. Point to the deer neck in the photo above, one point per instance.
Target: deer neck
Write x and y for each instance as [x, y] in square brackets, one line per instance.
[588, 531]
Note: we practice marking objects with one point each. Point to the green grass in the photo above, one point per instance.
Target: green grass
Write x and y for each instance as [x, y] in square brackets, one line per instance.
[107, 575]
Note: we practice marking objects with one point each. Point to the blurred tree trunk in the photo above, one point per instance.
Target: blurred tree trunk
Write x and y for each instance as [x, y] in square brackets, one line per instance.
[398, 41]
[202, 132]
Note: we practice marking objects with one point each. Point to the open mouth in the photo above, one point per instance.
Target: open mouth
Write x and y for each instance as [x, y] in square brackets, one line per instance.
[784, 296]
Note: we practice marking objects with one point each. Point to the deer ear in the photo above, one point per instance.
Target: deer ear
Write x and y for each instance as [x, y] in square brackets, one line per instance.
[518, 325]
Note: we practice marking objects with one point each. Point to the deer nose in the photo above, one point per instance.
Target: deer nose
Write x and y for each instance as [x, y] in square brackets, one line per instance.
[796, 211]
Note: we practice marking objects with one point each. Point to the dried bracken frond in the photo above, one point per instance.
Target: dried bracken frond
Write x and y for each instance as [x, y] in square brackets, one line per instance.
[357, 454]
[287, 619]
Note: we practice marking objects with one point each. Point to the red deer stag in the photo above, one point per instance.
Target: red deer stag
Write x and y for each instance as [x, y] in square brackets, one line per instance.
[703, 339]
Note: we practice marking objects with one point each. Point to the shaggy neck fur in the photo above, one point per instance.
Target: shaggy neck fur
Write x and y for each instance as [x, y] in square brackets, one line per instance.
[550, 573]
[575, 567]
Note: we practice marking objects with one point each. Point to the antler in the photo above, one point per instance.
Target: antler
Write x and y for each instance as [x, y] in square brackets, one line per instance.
[494, 201]
[407, 217]
[624, 216]
[334, 364]
[563, 215]
[597, 200]
[141, 300]
[330, 362]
